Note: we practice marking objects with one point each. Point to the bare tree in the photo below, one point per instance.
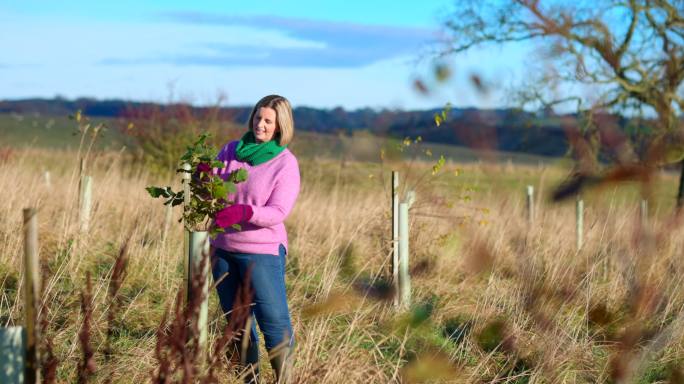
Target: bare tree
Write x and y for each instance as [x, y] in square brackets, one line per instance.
[630, 53]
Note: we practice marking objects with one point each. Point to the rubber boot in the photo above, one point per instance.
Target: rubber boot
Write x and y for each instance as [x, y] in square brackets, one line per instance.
[251, 363]
[281, 362]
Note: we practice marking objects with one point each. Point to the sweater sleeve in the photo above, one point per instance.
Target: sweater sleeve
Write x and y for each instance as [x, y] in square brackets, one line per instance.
[225, 155]
[282, 199]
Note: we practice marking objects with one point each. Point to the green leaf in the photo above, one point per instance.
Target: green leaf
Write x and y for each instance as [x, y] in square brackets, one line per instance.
[177, 199]
[442, 117]
[230, 187]
[215, 230]
[159, 192]
[236, 227]
[438, 165]
[438, 120]
[238, 175]
[217, 164]
[187, 156]
[220, 191]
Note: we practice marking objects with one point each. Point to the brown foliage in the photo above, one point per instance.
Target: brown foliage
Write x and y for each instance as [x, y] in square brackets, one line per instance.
[86, 367]
[162, 132]
[178, 339]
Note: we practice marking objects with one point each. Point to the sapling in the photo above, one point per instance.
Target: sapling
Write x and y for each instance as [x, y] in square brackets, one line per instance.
[208, 191]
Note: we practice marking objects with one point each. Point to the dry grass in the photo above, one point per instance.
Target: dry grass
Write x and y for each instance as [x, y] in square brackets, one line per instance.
[496, 299]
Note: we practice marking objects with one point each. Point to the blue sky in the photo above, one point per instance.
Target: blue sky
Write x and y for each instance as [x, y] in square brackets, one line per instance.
[317, 53]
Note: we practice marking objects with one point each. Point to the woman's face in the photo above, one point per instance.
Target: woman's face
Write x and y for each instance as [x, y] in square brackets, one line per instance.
[264, 124]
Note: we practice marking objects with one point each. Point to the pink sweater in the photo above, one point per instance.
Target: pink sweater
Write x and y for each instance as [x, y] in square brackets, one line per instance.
[271, 189]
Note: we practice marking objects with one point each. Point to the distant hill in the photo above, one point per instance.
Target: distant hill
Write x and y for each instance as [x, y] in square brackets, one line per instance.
[497, 129]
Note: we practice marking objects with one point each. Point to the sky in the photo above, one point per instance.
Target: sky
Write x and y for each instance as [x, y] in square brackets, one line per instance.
[322, 54]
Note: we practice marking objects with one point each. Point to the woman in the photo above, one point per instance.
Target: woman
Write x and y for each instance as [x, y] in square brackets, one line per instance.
[261, 205]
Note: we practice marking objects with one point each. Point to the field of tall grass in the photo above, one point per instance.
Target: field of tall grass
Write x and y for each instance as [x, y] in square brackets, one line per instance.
[495, 298]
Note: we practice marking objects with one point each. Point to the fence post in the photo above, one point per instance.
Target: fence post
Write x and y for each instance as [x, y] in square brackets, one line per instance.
[186, 233]
[579, 220]
[85, 202]
[395, 236]
[644, 212]
[31, 294]
[530, 204]
[404, 278]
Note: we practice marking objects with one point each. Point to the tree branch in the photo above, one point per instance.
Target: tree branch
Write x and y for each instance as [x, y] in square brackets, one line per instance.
[632, 27]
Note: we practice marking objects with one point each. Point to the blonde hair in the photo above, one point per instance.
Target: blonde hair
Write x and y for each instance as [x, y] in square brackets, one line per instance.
[284, 119]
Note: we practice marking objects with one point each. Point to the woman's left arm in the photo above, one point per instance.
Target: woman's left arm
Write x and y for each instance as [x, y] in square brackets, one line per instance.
[282, 198]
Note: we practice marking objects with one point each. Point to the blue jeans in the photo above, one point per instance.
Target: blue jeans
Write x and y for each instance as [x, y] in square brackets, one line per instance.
[269, 296]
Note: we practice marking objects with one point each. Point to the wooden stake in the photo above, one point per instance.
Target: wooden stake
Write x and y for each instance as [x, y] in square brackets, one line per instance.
[31, 295]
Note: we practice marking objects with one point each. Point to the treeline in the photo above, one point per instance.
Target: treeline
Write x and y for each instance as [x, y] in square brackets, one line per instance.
[495, 129]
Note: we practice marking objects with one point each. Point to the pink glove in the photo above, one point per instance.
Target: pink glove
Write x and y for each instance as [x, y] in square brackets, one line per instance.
[235, 214]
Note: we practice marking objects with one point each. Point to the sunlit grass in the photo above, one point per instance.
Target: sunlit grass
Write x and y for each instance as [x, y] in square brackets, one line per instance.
[496, 298]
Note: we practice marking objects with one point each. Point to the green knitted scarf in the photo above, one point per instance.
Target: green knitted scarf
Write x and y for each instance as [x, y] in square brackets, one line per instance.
[254, 153]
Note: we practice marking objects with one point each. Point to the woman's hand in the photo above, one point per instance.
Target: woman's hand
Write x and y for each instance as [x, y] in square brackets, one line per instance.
[235, 214]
